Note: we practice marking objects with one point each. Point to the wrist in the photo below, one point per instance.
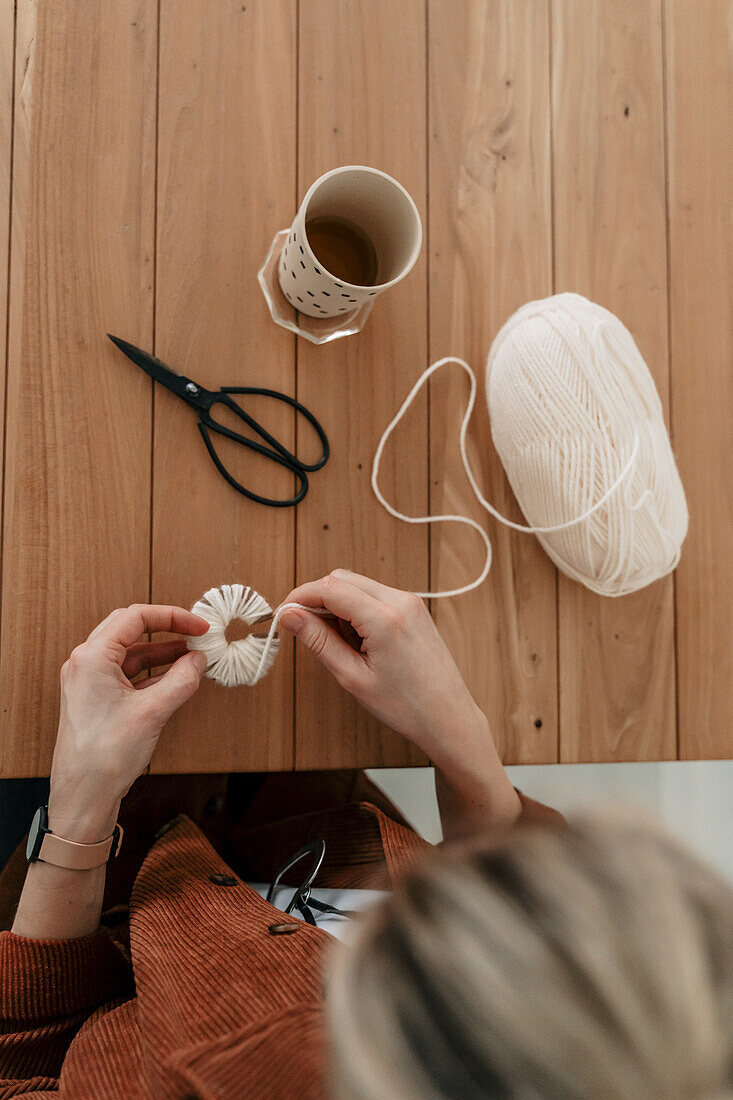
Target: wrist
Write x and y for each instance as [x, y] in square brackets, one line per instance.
[84, 824]
[462, 743]
[472, 784]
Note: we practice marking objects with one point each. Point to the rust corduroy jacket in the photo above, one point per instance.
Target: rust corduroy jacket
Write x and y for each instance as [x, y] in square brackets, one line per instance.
[202, 1000]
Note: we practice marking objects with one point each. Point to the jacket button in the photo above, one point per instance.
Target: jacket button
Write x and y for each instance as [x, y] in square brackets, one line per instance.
[222, 880]
[286, 928]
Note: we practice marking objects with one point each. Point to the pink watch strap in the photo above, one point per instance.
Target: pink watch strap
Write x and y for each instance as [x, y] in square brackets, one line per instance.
[79, 857]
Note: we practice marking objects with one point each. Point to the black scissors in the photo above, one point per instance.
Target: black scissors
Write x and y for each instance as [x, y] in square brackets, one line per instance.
[203, 400]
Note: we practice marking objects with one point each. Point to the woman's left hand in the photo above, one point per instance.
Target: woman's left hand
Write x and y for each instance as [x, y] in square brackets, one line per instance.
[108, 726]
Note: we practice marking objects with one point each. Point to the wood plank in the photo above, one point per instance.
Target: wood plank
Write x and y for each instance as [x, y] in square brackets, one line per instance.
[362, 101]
[7, 36]
[699, 40]
[616, 656]
[78, 428]
[490, 251]
[226, 181]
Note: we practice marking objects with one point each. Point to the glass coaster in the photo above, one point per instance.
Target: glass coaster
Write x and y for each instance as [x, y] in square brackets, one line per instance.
[319, 330]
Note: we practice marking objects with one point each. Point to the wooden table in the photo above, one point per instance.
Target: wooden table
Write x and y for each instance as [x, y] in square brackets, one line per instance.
[149, 151]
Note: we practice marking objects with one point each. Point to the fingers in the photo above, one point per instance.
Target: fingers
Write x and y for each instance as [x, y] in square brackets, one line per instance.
[325, 643]
[101, 626]
[342, 599]
[371, 587]
[152, 655]
[124, 626]
[147, 682]
[169, 691]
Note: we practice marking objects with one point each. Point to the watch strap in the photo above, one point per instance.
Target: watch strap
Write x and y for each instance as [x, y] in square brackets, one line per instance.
[79, 857]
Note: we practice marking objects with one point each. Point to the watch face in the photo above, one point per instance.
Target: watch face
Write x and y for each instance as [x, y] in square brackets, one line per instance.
[35, 835]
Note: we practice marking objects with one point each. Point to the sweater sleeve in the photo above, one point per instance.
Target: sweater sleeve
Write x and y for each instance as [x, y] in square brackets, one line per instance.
[48, 988]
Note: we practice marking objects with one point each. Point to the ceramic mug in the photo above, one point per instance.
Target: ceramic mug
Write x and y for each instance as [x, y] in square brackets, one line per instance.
[357, 233]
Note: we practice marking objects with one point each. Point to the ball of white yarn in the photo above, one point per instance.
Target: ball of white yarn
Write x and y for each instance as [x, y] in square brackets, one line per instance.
[245, 660]
[571, 402]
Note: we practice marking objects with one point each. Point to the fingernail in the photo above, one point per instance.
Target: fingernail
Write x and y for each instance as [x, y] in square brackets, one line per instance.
[292, 620]
[199, 662]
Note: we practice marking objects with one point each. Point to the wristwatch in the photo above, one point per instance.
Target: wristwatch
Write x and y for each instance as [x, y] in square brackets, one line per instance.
[50, 848]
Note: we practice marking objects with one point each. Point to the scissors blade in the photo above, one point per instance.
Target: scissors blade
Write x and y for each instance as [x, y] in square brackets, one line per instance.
[177, 383]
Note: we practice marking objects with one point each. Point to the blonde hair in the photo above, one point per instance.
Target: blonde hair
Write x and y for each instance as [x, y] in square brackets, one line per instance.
[589, 961]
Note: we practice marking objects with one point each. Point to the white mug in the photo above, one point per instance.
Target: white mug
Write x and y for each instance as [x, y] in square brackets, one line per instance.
[356, 234]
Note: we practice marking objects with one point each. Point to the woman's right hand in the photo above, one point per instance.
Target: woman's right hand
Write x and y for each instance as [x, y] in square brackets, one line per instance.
[383, 647]
[385, 650]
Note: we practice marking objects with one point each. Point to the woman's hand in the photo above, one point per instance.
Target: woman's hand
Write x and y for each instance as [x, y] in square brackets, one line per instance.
[382, 646]
[108, 726]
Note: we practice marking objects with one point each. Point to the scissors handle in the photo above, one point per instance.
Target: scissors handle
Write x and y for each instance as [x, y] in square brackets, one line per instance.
[252, 444]
[276, 451]
[202, 400]
[287, 400]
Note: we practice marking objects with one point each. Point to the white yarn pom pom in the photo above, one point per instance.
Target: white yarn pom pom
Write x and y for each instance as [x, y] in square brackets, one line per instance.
[570, 399]
[245, 660]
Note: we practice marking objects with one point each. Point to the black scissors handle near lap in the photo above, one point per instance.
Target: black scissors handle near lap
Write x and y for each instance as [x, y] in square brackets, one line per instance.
[203, 401]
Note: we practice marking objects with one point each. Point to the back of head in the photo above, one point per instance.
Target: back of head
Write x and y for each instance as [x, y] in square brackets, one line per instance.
[589, 961]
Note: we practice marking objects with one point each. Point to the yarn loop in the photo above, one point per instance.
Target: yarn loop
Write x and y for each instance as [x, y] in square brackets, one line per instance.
[578, 425]
[245, 660]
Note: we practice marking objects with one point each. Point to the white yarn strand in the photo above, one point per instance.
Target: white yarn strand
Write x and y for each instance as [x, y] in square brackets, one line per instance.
[474, 484]
[271, 641]
[245, 660]
[560, 424]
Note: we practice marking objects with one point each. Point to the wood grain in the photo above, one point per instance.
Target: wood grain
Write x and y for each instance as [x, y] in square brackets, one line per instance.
[7, 35]
[78, 427]
[226, 182]
[362, 101]
[490, 251]
[616, 656]
[699, 41]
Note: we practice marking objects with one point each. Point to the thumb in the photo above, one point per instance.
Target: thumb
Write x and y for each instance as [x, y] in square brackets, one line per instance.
[325, 643]
[178, 684]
